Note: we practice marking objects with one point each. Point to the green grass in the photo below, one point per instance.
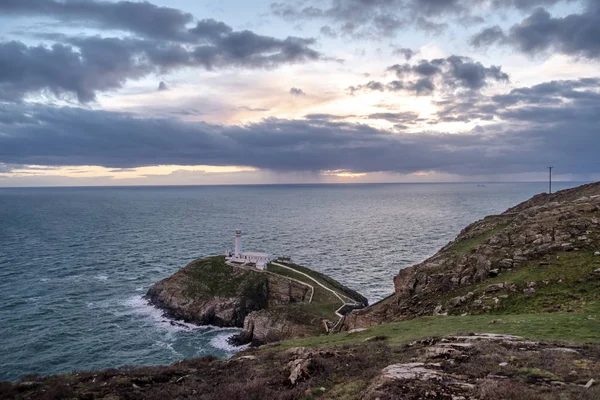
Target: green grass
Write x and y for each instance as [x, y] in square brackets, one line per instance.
[322, 278]
[324, 303]
[321, 295]
[466, 246]
[212, 277]
[565, 283]
[579, 327]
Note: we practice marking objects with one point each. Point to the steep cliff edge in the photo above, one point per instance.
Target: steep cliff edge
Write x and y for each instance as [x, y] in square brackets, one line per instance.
[277, 304]
[537, 256]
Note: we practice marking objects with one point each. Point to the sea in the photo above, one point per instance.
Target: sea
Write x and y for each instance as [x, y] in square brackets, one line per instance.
[75, 263]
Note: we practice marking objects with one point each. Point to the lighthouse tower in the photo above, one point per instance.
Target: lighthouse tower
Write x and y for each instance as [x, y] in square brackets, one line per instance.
[238, 243]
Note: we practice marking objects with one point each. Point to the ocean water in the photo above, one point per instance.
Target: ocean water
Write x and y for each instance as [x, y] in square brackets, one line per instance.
[76, 262]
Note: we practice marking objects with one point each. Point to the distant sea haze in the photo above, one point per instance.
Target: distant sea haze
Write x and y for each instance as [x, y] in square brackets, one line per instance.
[75, 262]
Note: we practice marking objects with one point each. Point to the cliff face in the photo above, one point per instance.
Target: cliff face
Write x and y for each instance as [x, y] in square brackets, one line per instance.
[518, 253]
[209, 292]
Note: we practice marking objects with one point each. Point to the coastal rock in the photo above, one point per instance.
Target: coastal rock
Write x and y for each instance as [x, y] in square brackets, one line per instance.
[275, 324]
[210, 292]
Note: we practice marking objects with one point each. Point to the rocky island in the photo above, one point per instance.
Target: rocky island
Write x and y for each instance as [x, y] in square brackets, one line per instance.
[508, 310]
[284, 301]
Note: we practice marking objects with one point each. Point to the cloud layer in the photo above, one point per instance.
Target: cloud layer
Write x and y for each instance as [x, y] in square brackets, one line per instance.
[377, 18]
[448, 74]
[540, 32]
[529, 134]
[166, 39]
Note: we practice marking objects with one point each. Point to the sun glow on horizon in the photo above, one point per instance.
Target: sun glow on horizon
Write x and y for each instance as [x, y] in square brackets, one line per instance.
[340, 173]
[93, 171]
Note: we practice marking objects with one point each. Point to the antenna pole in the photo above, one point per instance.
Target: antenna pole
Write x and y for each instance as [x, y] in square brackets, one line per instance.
[550, 179]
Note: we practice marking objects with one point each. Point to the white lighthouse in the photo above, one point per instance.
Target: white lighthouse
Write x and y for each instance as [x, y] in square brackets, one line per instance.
[239, 257]
[238, 243]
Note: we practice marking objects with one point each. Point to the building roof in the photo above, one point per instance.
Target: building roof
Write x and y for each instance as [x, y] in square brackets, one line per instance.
[254, 254]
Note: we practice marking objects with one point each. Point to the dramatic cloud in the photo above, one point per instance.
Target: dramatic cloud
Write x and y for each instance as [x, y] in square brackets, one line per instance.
[546, 103]
[163, 39]
[575, 34]
[527, 136]
[84, 66]
[449, 74]
[376, 18]
[55, 51]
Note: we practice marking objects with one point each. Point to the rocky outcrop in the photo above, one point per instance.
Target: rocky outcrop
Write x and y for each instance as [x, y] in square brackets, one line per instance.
[545, 225]
[210, 292]
[280, 323]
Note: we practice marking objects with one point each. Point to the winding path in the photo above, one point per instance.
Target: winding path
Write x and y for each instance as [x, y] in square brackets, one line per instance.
[336, 294]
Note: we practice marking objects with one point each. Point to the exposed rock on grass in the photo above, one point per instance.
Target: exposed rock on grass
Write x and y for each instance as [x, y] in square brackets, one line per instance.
[483, 366]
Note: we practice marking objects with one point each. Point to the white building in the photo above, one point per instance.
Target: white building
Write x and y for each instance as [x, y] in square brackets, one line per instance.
[241, 257]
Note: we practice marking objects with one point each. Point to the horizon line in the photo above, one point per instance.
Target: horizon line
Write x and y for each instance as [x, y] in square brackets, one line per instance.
[293, 184]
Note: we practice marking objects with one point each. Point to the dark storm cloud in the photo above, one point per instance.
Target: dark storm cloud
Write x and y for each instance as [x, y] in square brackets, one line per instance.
[84, 66]
[574, 34]
[448, 74]
[528, 137]
[376, 18]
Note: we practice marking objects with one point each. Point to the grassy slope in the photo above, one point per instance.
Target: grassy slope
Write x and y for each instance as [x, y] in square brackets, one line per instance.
[322, 278]
[567, 282]
[576, 327]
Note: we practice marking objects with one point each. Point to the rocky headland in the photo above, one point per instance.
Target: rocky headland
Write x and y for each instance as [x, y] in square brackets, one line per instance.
[270, 305]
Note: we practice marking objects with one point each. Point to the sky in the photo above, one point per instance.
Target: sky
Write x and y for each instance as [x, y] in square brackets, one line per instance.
[192, 92]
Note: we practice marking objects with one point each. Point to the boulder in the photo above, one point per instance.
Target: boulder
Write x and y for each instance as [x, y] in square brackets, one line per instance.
[495, 287]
